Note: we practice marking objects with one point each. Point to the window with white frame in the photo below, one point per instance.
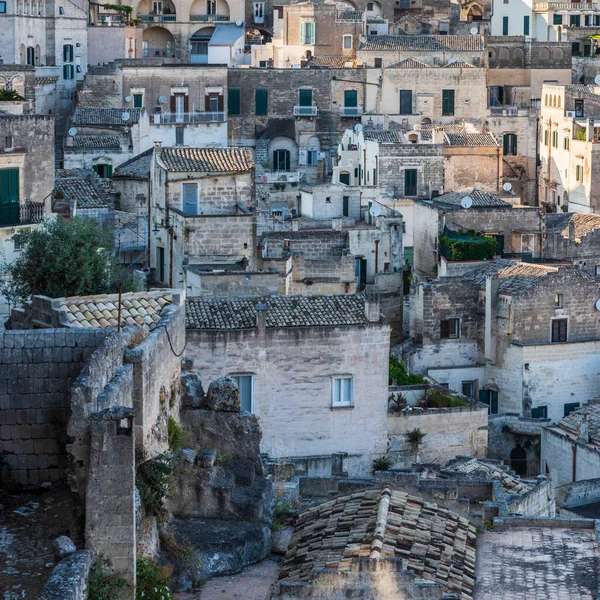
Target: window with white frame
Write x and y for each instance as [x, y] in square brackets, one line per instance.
[245, 383]
[342, 391]
[347, 42]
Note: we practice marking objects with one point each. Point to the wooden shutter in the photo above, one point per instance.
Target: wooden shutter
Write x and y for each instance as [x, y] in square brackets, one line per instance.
[173, 105]
[444, 330]
[9, 186]
[207, 103]
[109, 171]
[261, 101]
[448, 103]
[526, 25]
[350, 98]
[504, 25]
[233, 101]
[305, 97]
[312, 33]
[186, 103]
[220, 102]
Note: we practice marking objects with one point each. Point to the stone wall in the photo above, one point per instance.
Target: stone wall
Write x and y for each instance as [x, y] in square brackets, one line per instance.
[314, 244]
[37, 371]
[449, 432]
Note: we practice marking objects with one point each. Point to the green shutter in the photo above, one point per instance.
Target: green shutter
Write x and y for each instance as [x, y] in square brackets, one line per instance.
[261, 101]
[504, 25]
[448, 103]
[557, 19]
[312, 33]
[95, 167]
[350, 98]
[109, 171]
[305, 97]
[526, 25]
[233, 101]
[345, 208]
[505, 145]
[9, 186]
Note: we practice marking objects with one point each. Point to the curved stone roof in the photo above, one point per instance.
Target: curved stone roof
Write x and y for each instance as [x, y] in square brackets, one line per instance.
[436, 543]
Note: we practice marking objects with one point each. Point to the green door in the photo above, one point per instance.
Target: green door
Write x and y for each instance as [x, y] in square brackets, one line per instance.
[346, 207]
[448, 103]
[504, 25]
[305, 97]
[350, 98]
[261, 101]
[410, 182]
[345, 178]
[9, 197]
[161, 265]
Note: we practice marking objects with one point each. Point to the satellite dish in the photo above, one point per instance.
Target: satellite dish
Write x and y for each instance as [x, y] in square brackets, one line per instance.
[162, 99]
[358, 128]
[597, 304]
[466, 202]
[507, 187]
[375, 211]
[125, 116]
[127, 98]
[239, 22]
[451, 61]
[73, 131]
[597, 79]
[474, 31]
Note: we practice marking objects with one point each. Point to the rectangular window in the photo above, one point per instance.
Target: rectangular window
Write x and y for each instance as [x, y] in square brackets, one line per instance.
[261, 101]
[541, 412]
[579, 173]
[450, 329]
[504, 25]
[566, 143]
[575, 21]
[410, 182]
[347, 42]
[569, 407]
[468, 389]
[555, 139]
[448, 103]
[305, 97]
[307, 33]
[579, 112]
[68, 72]
[262, 63]
[138, 100]
[190, 198]
[179, 132]
[526, 25]
[545, 137]
[346, 206]
[68, 53]
[312, 157]
[510, 144]
[406, 102]
[597, 270]
[559, 330]
[489, 397]
[350, 98]
[281, 160]
[342, 391]
[378, 63]
[246, 387]
[2, 7]
[557, 19]
[558, 300]
[233, 101]
[8, 142]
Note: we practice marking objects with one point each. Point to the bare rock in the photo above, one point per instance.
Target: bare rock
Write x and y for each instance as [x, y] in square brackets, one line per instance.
[206, 458]
[282, 539]
[223, 396]
[63, 547]
[192, 392]
[69, 578]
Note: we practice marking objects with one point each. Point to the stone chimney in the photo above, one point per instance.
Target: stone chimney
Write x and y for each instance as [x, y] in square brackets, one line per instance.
[491, 308]
[157, 146]
[372, 304]
[437, 136]
[589, 133]
[583, 430]
[261, 317]
[571, 230]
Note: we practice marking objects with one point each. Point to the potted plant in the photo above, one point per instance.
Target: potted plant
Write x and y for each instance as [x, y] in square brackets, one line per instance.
[59, 194]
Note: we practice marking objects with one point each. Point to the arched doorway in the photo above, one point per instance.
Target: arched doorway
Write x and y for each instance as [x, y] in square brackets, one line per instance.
[199, 43]
[475, 13]
[518, 460]
[158, 41]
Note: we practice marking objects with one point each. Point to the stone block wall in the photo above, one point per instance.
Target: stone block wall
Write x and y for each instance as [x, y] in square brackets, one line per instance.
[37, 370]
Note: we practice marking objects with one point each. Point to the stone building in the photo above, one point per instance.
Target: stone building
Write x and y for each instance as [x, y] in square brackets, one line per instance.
[517, 229]
[201, 209]
[524, 335]
[568, 148]
[314, 369]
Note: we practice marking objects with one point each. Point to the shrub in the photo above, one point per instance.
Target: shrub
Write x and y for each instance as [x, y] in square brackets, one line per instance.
[381, 463]
[437, 398]
[10, 96]
[152, 584]
[106, 586]
[398, 373]
[176, 435]
[153, 480]
[475, 247]
[396, 402]
[414, 437]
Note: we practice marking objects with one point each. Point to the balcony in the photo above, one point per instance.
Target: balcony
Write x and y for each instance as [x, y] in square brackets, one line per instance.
[158, 18]
[210, 18]
[545, 6]
[305, 111]
[281, 176]
[196, 117]
[28, 213]
[351, 111]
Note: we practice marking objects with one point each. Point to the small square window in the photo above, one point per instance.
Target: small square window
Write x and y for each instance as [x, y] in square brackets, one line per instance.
[2, 7]
[558, 300]
[450, 329]
[342, 391]
[378, 63]
[8, 142]
[61, 10]
[328, 200]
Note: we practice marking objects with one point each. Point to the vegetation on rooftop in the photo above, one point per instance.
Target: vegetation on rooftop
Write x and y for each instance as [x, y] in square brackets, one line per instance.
[381, 463]
[10, 96]
[414, 437]
[103, 585]
[63, 257]
[154, 479]
[151, 581]
[468, 246]
[441, 398]
[399, 375]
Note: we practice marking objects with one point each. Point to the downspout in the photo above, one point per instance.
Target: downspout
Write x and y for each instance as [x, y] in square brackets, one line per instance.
[499, 160]
[149, 258]
[376, 257]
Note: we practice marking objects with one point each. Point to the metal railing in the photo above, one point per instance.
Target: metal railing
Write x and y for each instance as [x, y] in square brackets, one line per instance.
[305, 111]
[196, 117]
[158, 52]
[351, 111]
[21, 214]
[158, 18]
[210, 18]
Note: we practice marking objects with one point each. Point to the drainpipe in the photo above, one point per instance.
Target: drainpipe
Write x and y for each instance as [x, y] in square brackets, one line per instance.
[499, 158]
[376, 257]
[149, 219]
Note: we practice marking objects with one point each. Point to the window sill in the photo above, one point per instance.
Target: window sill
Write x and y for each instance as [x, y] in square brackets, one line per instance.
[346, 407]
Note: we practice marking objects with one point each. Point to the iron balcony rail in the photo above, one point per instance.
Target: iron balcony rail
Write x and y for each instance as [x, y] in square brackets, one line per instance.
[305, 111]
[197, 117]
[13, 213]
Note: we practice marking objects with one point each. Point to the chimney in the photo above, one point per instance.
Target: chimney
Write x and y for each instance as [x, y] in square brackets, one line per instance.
[337, 223]
[583, 430]
[157, 146]
[261, 317]
[571, 230]
[372, 311]
[437, 136]
[491, 308]
[589, 133]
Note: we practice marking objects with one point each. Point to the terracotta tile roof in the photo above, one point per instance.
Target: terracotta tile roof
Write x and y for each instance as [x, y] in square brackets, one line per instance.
[584, 223]
[350, 15]
[480, 199]
[137, 167]
[93, 115]
[46, 79]
[428, 43]
[590, 413]
[281, 311]
[96, 312]
[459, 64]
[384, 137]
[426, 130]
[471, 139]
[474, 467]
[331, 62]
[207, 160]
[437, 544]
[410, 63]
[96, 141]
[84, 186]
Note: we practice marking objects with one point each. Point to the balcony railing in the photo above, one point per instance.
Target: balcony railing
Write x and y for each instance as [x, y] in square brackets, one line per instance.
[351, 111]
[196, 117]
[281, 176]
[210, 18]
[544, 6]
[305, 111]
[21, 214]
[158, 18]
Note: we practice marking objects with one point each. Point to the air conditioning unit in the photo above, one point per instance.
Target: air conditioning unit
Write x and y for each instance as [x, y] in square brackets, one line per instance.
[571, 114]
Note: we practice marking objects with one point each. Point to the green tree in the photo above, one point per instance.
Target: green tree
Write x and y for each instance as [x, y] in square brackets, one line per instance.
[73, 257]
